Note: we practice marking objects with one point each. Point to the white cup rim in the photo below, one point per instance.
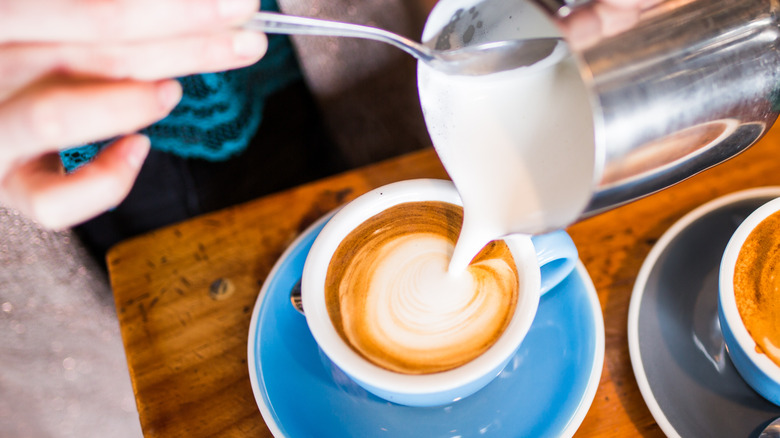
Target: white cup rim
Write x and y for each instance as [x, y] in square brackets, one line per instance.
[360, 368]
[727, 299]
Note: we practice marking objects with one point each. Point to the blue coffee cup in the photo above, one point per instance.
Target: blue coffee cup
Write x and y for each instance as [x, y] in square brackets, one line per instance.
[542, 262]
[754, 365]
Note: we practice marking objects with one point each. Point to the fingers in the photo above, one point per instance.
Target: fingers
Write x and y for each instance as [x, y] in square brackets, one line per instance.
[603, 18]
[22, 64]
[40, 190]
[77, 71]
[49, 115]
[632, 3]
[116, 20]
[168, 58]
[588, 25]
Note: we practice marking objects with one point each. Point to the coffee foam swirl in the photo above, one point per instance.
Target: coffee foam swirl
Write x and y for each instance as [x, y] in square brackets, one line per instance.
[391, 298]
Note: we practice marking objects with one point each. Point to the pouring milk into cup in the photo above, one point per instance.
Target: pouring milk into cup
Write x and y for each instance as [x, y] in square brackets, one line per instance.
[384, 307]
[688, 86]
[529, 150]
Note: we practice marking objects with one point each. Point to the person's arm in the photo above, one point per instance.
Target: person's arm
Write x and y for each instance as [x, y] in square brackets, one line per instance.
[75, 71]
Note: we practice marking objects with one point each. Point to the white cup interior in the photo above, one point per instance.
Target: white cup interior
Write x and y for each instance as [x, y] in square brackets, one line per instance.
[727, 299]
[341, 354]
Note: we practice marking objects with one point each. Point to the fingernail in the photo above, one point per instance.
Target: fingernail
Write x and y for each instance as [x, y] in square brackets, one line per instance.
[169, 93]
[249, 44]
[136, 155]
[237, 8]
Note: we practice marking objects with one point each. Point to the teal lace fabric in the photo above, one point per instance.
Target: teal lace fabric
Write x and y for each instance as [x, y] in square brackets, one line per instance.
[219, 112]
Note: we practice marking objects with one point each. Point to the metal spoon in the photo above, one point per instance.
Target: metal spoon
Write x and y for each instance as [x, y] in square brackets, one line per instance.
[473, 60]
[772, 430]
[295, 297]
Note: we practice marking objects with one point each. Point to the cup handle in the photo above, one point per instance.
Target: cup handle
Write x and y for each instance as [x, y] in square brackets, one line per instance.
[557, 256]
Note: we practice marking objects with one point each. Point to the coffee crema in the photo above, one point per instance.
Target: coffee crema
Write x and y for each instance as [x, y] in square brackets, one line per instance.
[390, 297]
[757, 286]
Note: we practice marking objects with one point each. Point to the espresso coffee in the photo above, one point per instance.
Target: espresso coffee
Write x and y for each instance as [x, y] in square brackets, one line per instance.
[391, 298]
[757, 286]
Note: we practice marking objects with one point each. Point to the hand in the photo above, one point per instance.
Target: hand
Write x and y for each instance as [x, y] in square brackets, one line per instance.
[75, 71]
[602, 18]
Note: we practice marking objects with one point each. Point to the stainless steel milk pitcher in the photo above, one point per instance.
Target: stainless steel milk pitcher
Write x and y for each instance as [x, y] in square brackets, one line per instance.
[690, 85]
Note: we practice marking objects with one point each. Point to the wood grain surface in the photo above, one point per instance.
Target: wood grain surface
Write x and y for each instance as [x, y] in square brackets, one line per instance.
[184, 294]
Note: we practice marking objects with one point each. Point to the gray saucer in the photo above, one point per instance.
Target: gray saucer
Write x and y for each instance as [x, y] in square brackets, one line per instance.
[677, 351]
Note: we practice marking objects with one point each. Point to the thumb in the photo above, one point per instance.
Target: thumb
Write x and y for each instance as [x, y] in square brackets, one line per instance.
[39, 188]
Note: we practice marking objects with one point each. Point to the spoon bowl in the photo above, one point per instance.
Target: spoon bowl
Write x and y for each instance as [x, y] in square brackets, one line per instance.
[476, 60]
[772, 430]
[295, 297]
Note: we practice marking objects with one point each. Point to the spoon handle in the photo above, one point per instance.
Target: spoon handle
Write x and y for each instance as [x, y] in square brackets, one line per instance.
[271, 22]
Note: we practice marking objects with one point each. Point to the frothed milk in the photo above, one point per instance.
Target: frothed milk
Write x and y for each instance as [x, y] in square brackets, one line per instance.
[518, 145]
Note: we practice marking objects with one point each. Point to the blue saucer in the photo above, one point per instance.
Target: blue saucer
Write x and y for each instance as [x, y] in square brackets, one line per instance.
[546, 390]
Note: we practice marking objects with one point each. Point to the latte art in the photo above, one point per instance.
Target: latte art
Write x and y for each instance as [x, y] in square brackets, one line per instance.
[391, 298]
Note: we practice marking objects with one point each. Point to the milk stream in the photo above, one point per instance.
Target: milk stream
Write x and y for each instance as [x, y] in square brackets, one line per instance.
[518, 145]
